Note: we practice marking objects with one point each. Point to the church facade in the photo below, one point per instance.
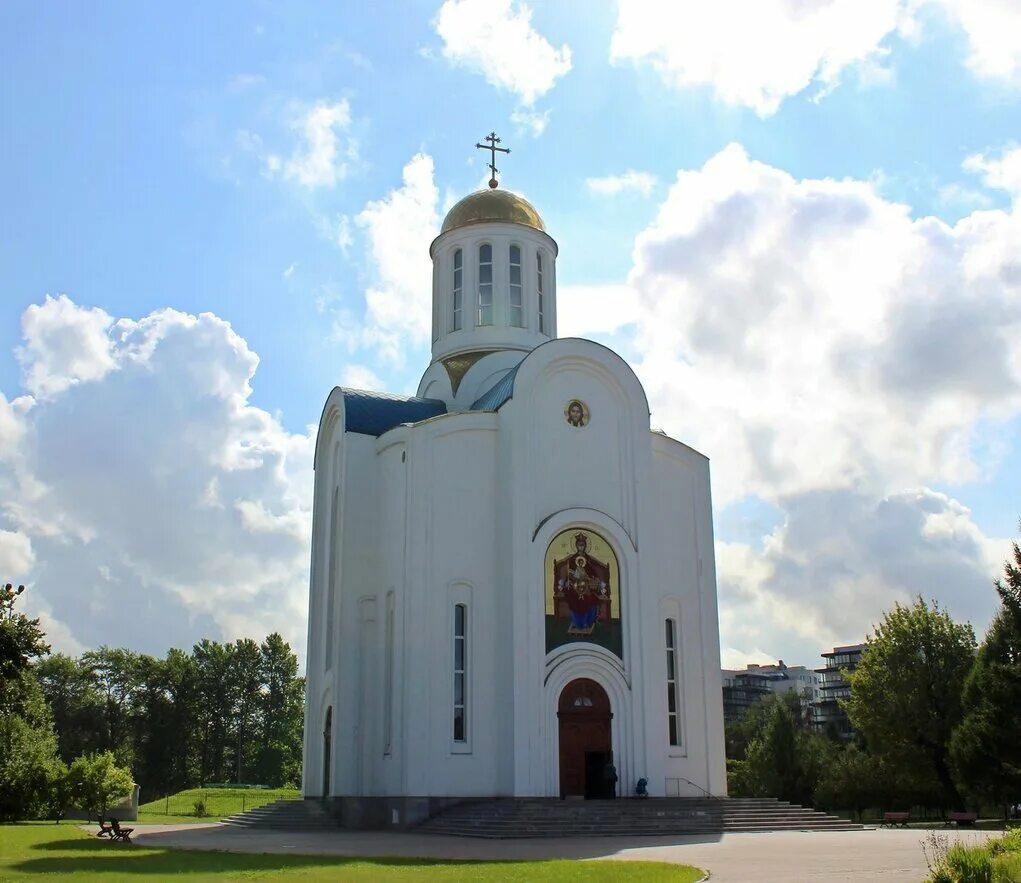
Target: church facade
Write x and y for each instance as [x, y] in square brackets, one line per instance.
[513, 587]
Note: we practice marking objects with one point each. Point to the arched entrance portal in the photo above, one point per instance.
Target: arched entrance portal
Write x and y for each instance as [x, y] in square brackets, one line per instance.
[585, 741]
[327, 744]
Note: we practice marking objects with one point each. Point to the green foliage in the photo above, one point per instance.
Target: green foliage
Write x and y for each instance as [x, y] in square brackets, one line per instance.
[995, 861]
[906, 692]
[221, 713]
[200, 808]
[21, 639]
[28, 767]
[739, 781]
[95, 782]
[856, 781]
[986, 748]
[783, 757]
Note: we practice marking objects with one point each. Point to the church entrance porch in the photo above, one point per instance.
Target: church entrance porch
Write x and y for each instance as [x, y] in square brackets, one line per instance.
[586, 754]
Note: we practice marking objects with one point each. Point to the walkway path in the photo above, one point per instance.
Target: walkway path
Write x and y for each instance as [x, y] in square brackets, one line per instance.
[780, 857]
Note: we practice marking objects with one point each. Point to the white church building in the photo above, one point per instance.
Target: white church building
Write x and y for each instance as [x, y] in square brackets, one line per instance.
[513, 583]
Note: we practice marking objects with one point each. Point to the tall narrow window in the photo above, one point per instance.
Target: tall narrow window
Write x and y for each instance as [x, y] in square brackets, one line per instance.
[455, 321]
[538, 288]
[673, 721]
[517, 311]
[388, 710]
[485, 285]
[460, 673]
[331, 579]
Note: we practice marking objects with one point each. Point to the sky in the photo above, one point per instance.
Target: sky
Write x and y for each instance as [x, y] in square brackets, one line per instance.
[798, 220]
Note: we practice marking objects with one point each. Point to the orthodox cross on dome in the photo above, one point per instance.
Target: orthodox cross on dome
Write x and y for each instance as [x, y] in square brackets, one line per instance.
[492, 148]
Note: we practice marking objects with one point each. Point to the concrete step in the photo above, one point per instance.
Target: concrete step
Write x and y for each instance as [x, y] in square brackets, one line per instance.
[292, 814]
[538, 817]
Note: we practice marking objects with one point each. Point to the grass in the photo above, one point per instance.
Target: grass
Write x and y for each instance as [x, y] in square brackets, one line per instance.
[65, 852]
[218, 802]
[995, 861]
[1007, 867]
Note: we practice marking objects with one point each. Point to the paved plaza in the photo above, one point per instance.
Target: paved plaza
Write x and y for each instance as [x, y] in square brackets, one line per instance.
[781, 857]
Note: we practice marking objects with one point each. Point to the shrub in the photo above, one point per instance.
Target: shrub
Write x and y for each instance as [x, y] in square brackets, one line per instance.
[997, 861]
[94, 781]
[200, 808]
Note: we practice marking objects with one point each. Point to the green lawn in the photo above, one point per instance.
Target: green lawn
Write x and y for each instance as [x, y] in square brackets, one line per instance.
[66, 852]
[219, 802]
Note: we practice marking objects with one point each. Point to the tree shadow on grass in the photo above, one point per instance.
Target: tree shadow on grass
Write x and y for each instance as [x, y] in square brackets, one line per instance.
[99, 855]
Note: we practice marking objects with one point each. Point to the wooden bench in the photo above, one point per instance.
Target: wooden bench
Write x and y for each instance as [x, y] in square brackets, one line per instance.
[895, 819]
[119, 833]
[114, 831]
[961, 818]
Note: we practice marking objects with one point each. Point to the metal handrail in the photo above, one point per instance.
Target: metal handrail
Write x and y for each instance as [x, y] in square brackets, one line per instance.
[699, 787]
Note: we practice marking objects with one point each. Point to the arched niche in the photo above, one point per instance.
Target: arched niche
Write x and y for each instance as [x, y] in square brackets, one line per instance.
[582, 591]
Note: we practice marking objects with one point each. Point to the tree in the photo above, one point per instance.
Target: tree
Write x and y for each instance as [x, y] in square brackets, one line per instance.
[213, 662]
[986, 747]
[906, 691]
[21, 639]
[784, 758]
[282, 713]
[27, 744]
[857, 781]
[94, 782]
[76, 703]
[114, 672]
[28, 755]
[246, 682]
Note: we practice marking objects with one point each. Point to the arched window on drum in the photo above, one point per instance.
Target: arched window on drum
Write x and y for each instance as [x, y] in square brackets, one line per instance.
[517, 307]
[457, 300]
[485, 299]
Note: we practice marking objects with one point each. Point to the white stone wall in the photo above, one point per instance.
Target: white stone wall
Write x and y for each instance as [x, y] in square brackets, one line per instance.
[461, 508]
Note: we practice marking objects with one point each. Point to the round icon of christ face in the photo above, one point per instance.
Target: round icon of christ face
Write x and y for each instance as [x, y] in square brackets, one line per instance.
[576, 413]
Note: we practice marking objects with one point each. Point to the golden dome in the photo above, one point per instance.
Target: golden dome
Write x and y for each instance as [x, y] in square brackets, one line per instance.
[492, 205]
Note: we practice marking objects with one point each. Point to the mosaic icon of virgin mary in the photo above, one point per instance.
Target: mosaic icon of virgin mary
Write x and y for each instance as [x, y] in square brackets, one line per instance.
[581, 588]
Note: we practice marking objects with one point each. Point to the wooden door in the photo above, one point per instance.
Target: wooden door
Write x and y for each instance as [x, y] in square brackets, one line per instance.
[584, 715]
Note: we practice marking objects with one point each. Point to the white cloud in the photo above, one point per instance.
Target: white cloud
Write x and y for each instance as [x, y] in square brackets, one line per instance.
[583, 310]
[530, 122]
[756, 301]
[343, 236]
[64, 345]
[16, 556]
[758, 54]
[356, 376]
[992, 28]
[999, 173]
[159, 504]
[495, 38]
[398, 229]
[753, 54]
[834, 357]
[825, 577]
[612, 185]
[323, 157]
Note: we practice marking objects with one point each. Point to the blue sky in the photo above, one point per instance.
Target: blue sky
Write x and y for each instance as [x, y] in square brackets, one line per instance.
[811, 265]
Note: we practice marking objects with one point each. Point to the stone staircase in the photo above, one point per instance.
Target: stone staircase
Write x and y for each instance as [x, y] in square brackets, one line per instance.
[295, 814]
[546, 817]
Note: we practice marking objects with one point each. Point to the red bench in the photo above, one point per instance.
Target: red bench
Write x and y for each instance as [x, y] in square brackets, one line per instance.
[961, 818]
[893, 819]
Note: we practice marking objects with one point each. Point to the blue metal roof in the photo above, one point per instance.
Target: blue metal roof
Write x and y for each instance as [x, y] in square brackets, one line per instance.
[373, 413]
[498, 394]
